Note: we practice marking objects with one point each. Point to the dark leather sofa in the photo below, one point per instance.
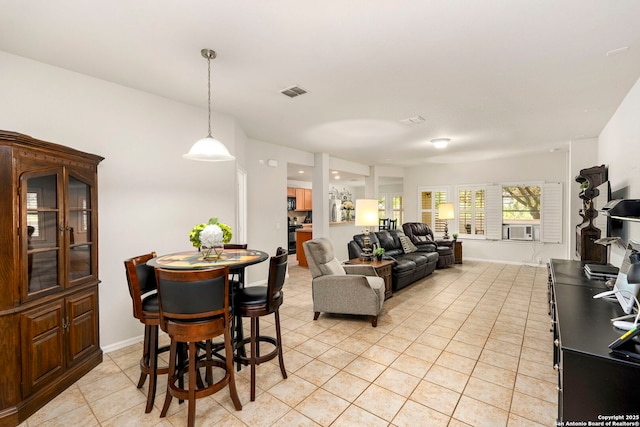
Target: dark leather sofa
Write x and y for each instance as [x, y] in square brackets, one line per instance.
[422, 236]
[408, 267]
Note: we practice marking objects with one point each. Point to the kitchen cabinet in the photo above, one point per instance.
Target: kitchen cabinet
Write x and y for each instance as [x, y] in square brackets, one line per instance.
[302, 235]
[49, 271]
[291, 192]
[303, 199]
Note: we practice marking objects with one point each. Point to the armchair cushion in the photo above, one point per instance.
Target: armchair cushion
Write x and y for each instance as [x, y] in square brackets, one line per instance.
[407, 245]
[333, 267]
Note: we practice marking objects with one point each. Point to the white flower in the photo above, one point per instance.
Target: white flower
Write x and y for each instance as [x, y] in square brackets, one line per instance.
[211, 236]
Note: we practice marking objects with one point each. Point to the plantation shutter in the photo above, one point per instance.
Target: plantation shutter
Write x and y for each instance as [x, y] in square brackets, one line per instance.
[493, 211]
[551, 213]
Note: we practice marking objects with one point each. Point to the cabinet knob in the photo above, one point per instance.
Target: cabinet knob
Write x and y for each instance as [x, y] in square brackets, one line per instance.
[556, 342]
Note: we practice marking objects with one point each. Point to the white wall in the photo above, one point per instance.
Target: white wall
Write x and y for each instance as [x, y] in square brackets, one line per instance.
[549, 167]
[619, 148]
[149, 196]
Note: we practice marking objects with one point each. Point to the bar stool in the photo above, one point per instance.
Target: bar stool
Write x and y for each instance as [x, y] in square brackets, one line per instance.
[258, 301]
[194, 307]
[142, 288]
[236, 281]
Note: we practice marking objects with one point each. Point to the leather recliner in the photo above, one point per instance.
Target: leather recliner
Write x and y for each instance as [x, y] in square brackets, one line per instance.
[422, 236]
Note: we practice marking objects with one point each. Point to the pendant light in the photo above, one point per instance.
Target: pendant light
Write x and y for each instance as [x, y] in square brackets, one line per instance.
[209, 149]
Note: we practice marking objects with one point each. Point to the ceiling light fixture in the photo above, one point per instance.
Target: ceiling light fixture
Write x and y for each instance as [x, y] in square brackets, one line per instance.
[440, 142]
[209, 149]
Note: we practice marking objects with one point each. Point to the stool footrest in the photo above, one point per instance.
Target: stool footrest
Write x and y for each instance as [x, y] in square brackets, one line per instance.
[265, 358]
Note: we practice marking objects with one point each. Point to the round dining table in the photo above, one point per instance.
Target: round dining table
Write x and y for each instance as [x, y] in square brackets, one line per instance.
[193, 260]
[236, 259]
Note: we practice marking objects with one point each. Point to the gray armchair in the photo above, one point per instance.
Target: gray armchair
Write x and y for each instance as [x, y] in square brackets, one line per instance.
[345, 289]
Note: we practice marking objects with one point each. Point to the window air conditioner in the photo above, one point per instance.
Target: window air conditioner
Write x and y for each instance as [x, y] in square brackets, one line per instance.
[520, 232]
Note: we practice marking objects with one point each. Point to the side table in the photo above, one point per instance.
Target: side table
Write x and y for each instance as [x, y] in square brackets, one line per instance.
[383, 269]
[457, 251]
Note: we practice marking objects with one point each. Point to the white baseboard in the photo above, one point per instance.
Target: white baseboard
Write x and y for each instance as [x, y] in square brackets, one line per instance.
[122, 344]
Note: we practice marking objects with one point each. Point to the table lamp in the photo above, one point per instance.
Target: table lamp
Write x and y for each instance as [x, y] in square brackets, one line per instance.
[445, 213]
[366, 216]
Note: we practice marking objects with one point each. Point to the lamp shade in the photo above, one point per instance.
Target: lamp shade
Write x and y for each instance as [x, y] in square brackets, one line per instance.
[208, 149]
[366, 212]
[445, 211]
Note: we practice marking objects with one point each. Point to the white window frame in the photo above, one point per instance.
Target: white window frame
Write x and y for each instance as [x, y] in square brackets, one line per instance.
[523, 184]
[474, 211]
[389, 212]
[435, 224]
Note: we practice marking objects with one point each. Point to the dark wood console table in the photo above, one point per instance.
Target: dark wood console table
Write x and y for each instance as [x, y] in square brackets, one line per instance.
[592, 383]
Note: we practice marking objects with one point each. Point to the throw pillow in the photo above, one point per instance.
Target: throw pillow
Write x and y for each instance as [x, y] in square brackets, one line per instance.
[334, 267]
[407, 245]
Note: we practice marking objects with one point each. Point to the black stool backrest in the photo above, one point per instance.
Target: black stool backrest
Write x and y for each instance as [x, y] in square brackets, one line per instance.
[192, 294]
[235, 246]
[141, 280]
[277, 274]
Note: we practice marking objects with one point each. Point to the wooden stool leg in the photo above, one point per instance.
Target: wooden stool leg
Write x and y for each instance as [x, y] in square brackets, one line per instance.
[193, 360]
[209, 372]
[144, 362]
[239, 334]
[228, 348]
[171, 378]
[279, 339]
[252, 359]
[153, 367]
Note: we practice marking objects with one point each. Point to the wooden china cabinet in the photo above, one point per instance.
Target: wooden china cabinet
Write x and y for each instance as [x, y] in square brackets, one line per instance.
[48, 271]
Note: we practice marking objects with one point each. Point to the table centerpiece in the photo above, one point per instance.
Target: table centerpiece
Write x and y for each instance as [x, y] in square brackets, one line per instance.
[210, 238]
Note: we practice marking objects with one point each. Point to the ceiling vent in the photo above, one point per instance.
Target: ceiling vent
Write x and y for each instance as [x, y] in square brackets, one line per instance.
[293, 91]
[412, 120]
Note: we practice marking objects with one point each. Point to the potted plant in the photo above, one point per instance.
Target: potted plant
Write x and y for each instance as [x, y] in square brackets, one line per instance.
[455, 236]
[378, 252]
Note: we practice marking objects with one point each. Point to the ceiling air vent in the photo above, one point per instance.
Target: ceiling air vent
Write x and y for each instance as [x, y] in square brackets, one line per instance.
[293, 91]
[412, 120]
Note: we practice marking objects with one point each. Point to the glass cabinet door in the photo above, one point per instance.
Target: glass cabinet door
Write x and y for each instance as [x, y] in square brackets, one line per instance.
[42, 222]
[79, 229]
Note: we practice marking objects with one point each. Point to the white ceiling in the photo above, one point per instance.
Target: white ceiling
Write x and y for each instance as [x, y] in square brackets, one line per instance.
[498, 77]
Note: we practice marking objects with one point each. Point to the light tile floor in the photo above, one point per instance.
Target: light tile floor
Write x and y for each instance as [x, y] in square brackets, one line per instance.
[467, 346]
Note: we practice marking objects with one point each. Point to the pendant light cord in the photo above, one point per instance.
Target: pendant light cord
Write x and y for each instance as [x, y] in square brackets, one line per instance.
[209, 91]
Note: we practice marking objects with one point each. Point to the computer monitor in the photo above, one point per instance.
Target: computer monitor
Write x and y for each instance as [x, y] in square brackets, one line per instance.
[626, 292]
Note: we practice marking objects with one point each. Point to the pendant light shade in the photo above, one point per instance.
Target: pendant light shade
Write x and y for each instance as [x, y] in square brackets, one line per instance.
[209, 149]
